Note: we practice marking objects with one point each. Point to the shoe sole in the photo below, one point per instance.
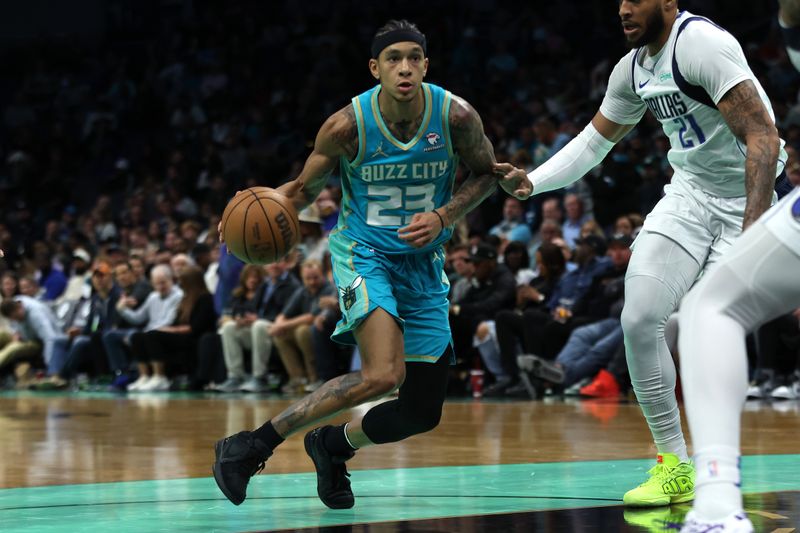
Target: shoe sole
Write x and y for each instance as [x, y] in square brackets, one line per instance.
[218, 474]
[330, 505]
[684, 498]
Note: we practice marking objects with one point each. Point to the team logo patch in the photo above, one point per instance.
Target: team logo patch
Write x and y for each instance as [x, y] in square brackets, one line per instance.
[349, 294]
[433, 139]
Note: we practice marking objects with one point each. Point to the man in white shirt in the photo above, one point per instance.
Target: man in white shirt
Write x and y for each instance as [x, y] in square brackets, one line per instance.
[725, 151]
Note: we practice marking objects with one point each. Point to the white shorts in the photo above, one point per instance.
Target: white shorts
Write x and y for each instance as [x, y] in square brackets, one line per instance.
[783, 220]
[701, 223]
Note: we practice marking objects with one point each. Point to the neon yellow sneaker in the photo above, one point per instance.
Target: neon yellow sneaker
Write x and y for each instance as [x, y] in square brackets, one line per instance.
[671, 481]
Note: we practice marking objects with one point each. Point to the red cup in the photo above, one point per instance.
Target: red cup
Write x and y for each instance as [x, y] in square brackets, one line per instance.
[476, 382]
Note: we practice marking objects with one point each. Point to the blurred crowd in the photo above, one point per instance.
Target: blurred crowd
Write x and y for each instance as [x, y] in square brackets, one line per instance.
[119, 155]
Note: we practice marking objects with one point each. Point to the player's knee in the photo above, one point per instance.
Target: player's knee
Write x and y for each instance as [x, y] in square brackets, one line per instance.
[640, 320]
[386, 382]
[427, 419]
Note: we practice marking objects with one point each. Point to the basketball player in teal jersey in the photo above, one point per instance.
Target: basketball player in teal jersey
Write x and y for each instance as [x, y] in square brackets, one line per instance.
[397, 148]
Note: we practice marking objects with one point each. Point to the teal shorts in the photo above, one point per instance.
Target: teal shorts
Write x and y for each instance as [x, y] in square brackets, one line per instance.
[412, 288]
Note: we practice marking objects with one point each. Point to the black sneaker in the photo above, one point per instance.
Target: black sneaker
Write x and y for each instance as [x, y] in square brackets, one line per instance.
[333, 485]
[238, 458]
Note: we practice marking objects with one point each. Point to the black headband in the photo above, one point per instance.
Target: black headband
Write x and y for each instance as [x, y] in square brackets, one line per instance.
[397, 36]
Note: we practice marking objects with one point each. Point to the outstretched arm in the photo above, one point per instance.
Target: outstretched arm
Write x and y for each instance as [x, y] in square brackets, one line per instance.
[475, 149]
[577, 158]
[338, 136]
[748, 119]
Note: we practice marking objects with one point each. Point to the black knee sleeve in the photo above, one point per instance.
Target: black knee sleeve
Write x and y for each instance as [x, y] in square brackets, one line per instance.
[418, 407]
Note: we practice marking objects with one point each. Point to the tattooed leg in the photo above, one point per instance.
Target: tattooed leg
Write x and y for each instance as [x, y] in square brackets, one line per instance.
[380, 342]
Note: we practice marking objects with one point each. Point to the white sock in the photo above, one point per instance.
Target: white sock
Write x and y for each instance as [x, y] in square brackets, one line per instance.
[677, 447]
[718, 486]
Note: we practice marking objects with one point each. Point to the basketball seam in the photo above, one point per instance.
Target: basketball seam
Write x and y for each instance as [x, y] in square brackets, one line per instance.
[233, 208]
[296, 225]
[244, 231]
[269, 225]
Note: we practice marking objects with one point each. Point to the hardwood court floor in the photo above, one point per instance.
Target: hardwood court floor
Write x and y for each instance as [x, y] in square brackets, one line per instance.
[99, 462]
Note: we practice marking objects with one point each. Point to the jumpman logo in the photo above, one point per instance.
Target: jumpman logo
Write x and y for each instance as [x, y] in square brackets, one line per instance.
[379, 151]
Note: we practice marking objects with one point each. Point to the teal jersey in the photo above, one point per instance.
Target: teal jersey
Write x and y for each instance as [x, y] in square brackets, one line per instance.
[389, 181]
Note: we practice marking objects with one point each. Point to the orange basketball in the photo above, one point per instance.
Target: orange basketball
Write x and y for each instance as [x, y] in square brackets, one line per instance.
[260, 225]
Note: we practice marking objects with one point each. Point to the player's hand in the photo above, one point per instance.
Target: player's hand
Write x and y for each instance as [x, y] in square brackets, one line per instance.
[423, 229]
[514, 180]
[293, 191]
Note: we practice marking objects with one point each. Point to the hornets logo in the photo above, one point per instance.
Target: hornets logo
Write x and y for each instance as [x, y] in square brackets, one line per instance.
[348, 294]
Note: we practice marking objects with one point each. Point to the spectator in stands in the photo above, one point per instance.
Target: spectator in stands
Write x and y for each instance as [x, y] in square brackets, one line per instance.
[49, 276]
[291, 330]
[327, 204]
[549, 140]
[493, 288]
[78, 284]
[575, 219]
[158, 310]
[86, 350]
[180, 262]
[9, 287]
[116, 336]
[268, 300]
[35, 322]
[237, 327]
[590, 347]
[327, 353]
[513, 226]
[544, 333]
[461, 273]
[175, 343]
[313, 244]
[591, 227]
[518, 262]
[28, 286]
[530, 297]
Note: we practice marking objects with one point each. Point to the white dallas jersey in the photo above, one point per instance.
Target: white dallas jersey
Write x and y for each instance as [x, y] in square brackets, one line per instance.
[681, 86]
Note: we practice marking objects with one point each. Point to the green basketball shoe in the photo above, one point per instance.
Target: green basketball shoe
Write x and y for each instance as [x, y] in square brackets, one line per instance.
[671, 481]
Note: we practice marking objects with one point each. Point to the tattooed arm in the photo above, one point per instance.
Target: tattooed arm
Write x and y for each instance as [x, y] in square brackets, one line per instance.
[748, 119]
[475, 149]
[338, 136]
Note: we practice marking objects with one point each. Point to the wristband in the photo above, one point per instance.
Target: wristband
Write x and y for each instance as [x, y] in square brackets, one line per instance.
[441, 220]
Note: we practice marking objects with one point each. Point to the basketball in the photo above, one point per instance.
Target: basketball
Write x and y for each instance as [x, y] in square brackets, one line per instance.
[260, 225]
